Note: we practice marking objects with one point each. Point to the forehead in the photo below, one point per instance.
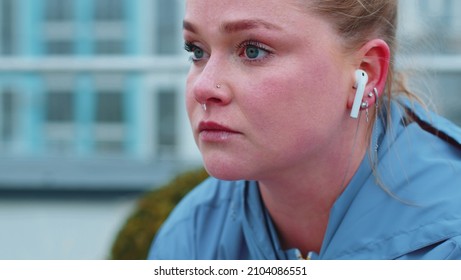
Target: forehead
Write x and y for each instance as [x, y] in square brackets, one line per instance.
[243, 5]
[277, 12]
[287, 20]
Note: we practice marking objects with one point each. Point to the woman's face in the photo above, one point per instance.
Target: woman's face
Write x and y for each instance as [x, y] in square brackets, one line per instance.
[274, 80]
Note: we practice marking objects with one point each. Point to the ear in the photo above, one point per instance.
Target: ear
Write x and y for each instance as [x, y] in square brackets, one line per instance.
[374, 59]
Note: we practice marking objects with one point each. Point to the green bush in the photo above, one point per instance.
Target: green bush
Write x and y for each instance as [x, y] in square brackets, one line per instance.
[134, 238]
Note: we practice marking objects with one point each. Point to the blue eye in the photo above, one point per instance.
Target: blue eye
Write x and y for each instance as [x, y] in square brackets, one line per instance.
[196, 52]
[253, 51]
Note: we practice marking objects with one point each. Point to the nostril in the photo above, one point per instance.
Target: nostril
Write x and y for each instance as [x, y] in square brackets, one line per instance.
[214, 100]
[206, 91]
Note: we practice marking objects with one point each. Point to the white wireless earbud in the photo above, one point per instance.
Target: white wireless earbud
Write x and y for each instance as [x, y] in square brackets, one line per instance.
[361, 79]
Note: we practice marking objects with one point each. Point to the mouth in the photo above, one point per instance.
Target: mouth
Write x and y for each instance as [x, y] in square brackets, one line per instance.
[214, 132]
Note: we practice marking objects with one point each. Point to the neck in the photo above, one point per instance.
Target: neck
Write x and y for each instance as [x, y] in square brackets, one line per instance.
[299, 200]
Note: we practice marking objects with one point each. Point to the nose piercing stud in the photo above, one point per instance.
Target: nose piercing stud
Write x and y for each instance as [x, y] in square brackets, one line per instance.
[204, 106]
[218, 85]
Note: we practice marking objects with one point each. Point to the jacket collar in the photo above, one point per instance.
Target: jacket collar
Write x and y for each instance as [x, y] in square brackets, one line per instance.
[358, 228]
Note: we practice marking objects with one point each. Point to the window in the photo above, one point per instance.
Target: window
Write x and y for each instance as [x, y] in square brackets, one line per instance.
[167, 28]
[448, 95]
[59, 47]
[109, 27]
[109, 10]
[6, 27]
[167, 116]
[109, 47]
[109, 133]
[59, 122]
[59, 10]
[436, 19]
[109, 107]
[59, 106]
[436, 9]
[59, 113]
[7, 115]
[58, 28]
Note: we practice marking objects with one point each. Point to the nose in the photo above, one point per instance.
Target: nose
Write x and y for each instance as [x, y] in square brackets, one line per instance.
[209, 85]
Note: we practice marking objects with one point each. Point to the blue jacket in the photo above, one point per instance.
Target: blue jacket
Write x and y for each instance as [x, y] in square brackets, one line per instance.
[416, 214]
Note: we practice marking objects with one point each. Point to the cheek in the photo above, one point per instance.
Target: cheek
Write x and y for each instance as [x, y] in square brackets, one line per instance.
[293, 107]
[293, 95]
[191, 102]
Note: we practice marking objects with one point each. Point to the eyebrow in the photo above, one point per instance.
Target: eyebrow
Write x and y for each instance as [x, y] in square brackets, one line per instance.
[248, 24]
[236, 26]
[188, 26]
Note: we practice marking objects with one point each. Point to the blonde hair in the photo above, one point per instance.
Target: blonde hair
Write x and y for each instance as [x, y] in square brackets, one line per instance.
[358, 21]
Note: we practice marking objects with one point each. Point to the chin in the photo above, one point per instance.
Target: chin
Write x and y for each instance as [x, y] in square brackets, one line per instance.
[227, 172]
[225, 175]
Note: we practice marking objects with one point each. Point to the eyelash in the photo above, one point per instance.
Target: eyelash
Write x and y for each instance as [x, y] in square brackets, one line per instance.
[240, 49]
[190, 48]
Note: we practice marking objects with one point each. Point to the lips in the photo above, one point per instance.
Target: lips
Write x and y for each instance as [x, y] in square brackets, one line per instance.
[212, 126]
[214, 132]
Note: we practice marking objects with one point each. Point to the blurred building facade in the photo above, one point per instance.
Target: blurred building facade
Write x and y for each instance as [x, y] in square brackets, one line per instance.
[91, 99]
[430, 50]
[91, 87]
[88, 87]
